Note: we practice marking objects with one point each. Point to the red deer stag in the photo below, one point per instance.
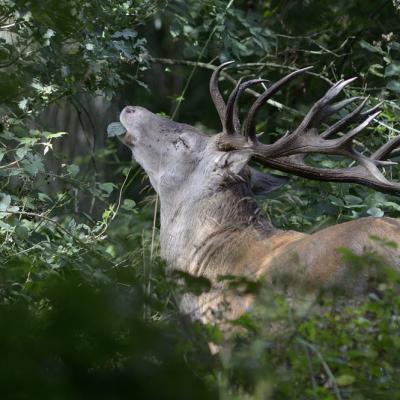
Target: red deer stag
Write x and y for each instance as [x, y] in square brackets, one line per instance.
[210, 222]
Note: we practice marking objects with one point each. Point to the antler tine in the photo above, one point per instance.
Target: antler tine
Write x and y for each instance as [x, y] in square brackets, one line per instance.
[372, 110]
[249, 130]
[372, 168]
[309, 141]
[347, 120]
[232, 122]
[341, 104]
[229, 124]
[215, 92]
[349, 137]
[358, 174]
[313, 117]
[327, 110]
[386, 150]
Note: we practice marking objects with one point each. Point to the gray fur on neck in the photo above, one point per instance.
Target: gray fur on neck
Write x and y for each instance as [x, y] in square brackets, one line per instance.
[194, 233]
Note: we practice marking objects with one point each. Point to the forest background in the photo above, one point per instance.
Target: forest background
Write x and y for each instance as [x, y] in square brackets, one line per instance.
[86, 308]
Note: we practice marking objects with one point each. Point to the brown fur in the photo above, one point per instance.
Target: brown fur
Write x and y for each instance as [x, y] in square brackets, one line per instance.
[297, 260]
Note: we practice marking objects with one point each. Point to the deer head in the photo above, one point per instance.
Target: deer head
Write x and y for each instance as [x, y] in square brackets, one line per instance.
[175, 154]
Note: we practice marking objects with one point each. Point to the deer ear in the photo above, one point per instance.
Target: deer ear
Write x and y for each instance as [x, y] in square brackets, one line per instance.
[263, 183]
[233, 161]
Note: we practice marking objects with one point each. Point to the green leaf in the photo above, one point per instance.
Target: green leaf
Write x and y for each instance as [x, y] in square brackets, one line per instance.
[44, 197]
[374, 70]
[336, 201]
[142, 84]
[345, 380]
[23, 104]
[107, 187]
[392, 205]
[373, 49]
[5, 201]
[246, 321]
[128, 205]
[193, 284]
[392, 69]
[126, 34]
[21, 152]
[33, 165]
[29, 141]
[115, 129]
[214, 333]
[394, 86]
[375, 212]
[5, 227]
[349, 199]
[21, 232]
[394, 46]
[73, 169]
[56, 135]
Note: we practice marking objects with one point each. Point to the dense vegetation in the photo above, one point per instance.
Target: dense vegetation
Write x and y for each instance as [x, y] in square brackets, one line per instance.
[86, 309]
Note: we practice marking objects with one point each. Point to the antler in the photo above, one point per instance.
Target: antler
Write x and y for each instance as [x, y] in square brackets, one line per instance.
[288, 153]
[228, 113]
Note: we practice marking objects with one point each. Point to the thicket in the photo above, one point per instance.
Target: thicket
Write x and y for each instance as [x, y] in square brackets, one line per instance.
[86, 308]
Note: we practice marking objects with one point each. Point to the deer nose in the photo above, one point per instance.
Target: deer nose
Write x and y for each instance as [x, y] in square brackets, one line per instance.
[129, 109]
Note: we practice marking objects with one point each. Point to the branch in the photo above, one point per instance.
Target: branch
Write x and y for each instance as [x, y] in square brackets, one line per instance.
[324, 365]
[243, 65]
[228, 77]
[5, 27]
[62, 229]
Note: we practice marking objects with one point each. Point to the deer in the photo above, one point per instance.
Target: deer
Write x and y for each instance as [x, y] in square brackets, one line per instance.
[210, 223]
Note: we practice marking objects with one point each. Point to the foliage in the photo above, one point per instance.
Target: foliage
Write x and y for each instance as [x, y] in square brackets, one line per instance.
[87, 310]
[321, 348]
[91, 342]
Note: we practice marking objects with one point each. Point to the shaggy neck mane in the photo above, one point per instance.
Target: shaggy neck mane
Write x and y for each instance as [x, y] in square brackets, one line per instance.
[206, 236]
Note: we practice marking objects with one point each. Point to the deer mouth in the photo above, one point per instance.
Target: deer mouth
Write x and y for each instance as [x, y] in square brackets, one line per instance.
[128, 139]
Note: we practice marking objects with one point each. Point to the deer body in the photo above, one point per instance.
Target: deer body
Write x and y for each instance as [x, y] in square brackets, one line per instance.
[211, 225]
[224, 235]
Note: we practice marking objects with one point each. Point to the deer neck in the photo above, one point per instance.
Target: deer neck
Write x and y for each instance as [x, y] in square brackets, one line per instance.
[210, 235]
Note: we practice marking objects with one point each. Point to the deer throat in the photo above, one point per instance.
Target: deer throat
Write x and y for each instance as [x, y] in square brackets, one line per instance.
[211, 237]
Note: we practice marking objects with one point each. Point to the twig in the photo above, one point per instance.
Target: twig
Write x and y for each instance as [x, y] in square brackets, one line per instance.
[4, 27]
[78, 107]
[324, 365]
[310, 367]
[10, 165]
[118, 206]
[153, 233]
[212, 67]
[388, 127]
[48, 212]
